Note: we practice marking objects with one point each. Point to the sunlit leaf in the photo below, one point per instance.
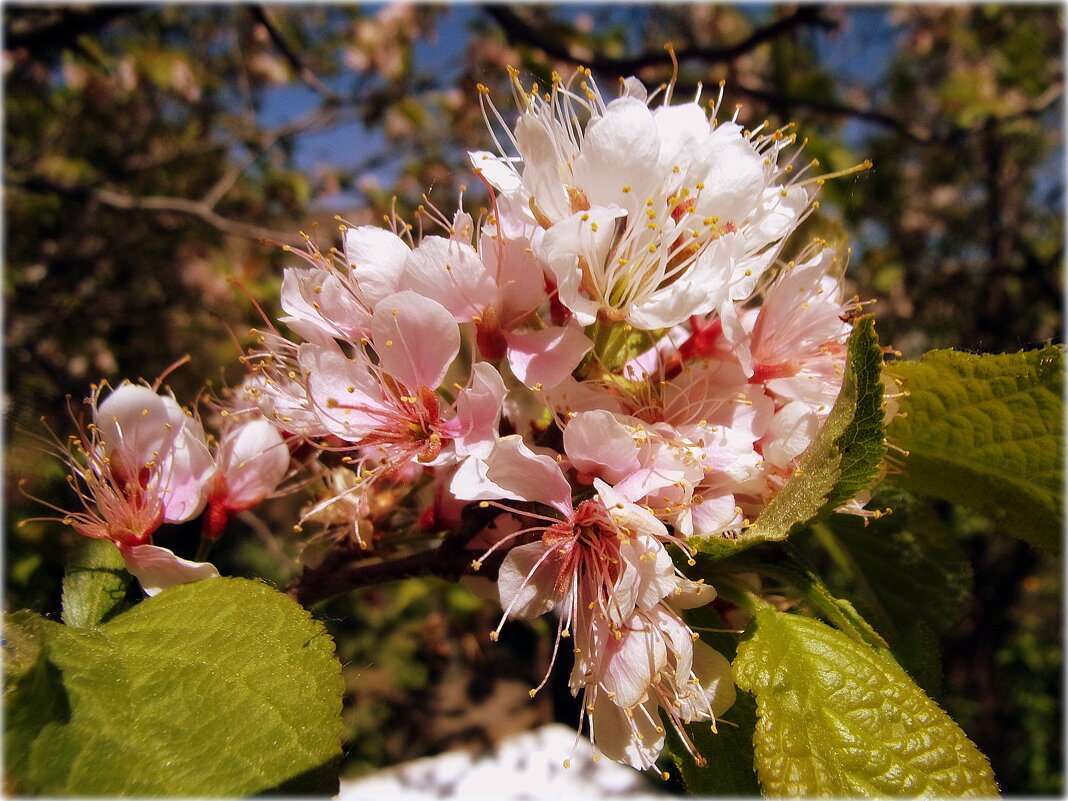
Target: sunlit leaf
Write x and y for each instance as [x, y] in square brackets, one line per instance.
[987, 432]
[838, 718]
[218, 688]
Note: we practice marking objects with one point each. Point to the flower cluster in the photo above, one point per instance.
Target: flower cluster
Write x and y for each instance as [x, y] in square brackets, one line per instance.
[613, 361]
[144, 461]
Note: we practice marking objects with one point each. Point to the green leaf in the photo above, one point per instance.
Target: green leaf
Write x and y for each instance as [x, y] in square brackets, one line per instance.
[909, 576]
[843, 460]
[987, 432]
[94, 585]
[838, 718]
[728, 752]
[222, 687]
[33, 693]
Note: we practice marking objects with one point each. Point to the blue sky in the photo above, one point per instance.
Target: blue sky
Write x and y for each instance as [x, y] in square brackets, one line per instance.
[859, 52]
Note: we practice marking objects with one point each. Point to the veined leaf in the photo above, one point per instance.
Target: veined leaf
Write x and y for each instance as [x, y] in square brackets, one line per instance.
[218, 688]
[838, 718]
[843, 460]
[987, 432]
[33, 692]
[94, 585]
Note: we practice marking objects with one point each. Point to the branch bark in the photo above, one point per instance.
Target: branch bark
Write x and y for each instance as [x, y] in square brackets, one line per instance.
[342, 570]
[519, 30]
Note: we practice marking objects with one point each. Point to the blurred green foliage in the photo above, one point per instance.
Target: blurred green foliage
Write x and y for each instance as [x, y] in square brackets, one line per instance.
[150, 149]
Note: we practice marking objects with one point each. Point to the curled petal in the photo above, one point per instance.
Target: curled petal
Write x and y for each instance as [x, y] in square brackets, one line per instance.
[158, 568]
[254, 459]
[186, 476]
[616, 734]
[133, 424]
[527, 580]
[596, 442]
[528, 476]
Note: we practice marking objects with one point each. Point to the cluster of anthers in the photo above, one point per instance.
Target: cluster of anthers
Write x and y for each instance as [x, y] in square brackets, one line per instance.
[612, 362]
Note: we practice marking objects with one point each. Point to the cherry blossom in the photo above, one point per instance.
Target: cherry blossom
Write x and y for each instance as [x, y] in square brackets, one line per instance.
[142, 462]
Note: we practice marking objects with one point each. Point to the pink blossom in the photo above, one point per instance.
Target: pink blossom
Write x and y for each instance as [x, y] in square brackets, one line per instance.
[142, 462]
[253, 459]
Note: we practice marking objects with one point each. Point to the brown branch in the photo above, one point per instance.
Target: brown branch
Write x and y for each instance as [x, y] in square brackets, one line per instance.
[160, 204]
[56, 28]
[264, 17]
[916, 133]
[519, 30]
[342, 570]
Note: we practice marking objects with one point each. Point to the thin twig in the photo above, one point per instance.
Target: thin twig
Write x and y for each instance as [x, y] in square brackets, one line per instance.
[306, 74]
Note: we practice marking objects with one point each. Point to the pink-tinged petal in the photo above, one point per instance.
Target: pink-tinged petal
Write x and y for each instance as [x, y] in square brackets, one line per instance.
[678, 638]
[548, 356]
[253, 459]
[186, 476]
[416, 339]
[656, 572]
[598, 443]
[158, 568]
[629, 516]
[509, 253]
[800, 314]
[631, 662]
[134, 426]
[580, 396]
[705, 391]
[714, 515]
[344, 396]
[528, 476]
[478, 412]
[377, 258]
[470, 483]
[452, 273]
[320, 307]
[615, 734]
[527, 580]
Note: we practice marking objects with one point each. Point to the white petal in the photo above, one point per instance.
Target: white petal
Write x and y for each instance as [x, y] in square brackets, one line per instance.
[254, 460]
[158, 568]
[376, 257]
[133, 423]
[527, 580]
